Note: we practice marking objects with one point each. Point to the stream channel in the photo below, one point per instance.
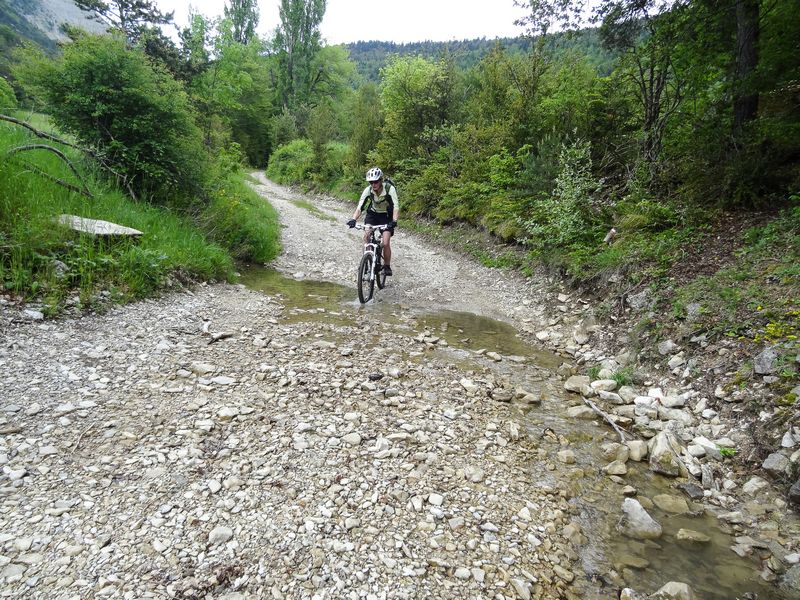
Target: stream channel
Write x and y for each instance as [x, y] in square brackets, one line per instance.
[712, 569]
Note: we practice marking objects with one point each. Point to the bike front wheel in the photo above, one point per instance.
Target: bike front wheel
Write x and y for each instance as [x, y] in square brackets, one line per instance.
[366, 280]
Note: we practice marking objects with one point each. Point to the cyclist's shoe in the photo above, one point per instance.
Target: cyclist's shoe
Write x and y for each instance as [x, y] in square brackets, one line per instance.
[387, 270]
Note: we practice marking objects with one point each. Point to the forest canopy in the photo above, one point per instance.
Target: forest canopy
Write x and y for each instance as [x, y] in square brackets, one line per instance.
[642, 118]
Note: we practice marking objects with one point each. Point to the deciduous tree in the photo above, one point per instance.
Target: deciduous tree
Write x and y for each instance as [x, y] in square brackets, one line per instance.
[243, 15]
[130, 17]
[296, 42]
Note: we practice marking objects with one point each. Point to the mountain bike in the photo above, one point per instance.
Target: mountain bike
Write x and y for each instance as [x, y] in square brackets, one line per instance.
[370, 268]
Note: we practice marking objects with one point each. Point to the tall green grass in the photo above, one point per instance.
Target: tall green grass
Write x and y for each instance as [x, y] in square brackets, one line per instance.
[242, 221]
[42, 260]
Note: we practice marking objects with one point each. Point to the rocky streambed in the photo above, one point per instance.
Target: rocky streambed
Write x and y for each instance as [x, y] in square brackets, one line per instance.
[222, 443]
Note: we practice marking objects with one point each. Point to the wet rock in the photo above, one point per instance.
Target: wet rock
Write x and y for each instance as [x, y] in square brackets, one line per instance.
[665, 455]
[576, 383]
[615, 468]
[637, 450]
[674, 590]
[566, 456]
[501, 395]
[581, 412]
[790, 582]
[692, 490]
[688, 535]
[671, 504]
[636, 523]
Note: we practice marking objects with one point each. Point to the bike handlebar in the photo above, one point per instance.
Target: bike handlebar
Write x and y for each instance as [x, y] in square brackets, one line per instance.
[376, 227]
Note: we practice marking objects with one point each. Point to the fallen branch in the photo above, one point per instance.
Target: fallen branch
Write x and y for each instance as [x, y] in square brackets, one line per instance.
[43, 134]
[605, 416]
[219, 336]
[61, 182]
[80, 437]
[85, 191]
[121, 179]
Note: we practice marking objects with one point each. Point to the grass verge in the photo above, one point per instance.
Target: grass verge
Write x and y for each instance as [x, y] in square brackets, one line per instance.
[51, 265]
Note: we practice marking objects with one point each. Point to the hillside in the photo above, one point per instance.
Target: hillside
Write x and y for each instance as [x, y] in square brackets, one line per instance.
[371, 56]
[40, 20]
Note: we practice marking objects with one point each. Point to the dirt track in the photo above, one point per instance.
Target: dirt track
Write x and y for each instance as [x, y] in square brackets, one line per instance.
[320, 246]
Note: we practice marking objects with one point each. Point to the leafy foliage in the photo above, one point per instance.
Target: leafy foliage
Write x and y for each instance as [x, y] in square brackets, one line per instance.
[60, 267]
[8, 100]
[129, 17]
[292, 162]
[296, 42]
[567, 216]
[243, 15]
[137, 115]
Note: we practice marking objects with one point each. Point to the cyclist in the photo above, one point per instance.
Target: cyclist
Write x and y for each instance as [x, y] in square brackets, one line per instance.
[379, 200]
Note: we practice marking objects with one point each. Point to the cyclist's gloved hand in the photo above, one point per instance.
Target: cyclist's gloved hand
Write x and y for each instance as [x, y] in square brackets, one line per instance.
[392, 225]
[351, 223]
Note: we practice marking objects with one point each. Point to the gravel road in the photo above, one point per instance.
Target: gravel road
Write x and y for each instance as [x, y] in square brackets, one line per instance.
[201, 445]
[318, 245]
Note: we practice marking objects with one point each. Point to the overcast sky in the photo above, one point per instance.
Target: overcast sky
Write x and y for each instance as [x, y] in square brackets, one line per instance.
[384, 20]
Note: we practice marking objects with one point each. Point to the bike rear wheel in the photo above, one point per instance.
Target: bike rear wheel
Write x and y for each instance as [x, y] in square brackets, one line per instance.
[366, 281]
[380, 276]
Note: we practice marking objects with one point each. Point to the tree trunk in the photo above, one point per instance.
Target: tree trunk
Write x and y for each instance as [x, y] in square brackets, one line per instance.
[745, 99]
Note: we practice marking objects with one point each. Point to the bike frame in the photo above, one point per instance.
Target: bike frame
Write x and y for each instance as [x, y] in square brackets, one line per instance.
[374, 245]
[373, 255]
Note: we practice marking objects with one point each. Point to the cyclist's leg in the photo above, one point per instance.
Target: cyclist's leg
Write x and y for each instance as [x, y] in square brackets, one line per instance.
[370, 219]
[387, 248]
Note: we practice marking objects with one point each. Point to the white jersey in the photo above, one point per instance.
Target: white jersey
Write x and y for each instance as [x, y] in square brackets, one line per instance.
[385, 202]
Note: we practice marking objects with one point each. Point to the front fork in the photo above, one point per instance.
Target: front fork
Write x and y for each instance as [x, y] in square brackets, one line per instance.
[373, 249]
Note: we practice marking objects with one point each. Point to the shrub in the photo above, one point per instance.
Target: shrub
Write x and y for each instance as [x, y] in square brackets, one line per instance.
[238, 219]
[292, 162]
[566, 216]
[8, 100]
[109, 96]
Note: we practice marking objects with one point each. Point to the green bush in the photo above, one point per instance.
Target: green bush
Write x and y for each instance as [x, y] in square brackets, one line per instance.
[41, 261]
[292, 163]
[110, 97]
[240, 220]
[8, 100]
[568, 215]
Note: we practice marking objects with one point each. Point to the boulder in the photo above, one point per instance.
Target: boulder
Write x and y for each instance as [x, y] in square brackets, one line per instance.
[665, 455]
[636, 523]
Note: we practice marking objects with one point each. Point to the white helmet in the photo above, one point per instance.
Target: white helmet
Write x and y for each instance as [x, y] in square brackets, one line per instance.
[374, 174]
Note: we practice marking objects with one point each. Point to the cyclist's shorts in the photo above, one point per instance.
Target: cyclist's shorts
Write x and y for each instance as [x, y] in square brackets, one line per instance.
[376, 218]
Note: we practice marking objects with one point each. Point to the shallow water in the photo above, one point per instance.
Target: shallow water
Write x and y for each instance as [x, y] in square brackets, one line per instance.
[712, 569]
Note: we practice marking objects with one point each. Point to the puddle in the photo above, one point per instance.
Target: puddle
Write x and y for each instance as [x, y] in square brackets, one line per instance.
[712, 569]
[466, 330]
[302, 294]
[306, 299]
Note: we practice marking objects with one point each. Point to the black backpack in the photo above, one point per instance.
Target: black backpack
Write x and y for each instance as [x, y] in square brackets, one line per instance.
[386, 184]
